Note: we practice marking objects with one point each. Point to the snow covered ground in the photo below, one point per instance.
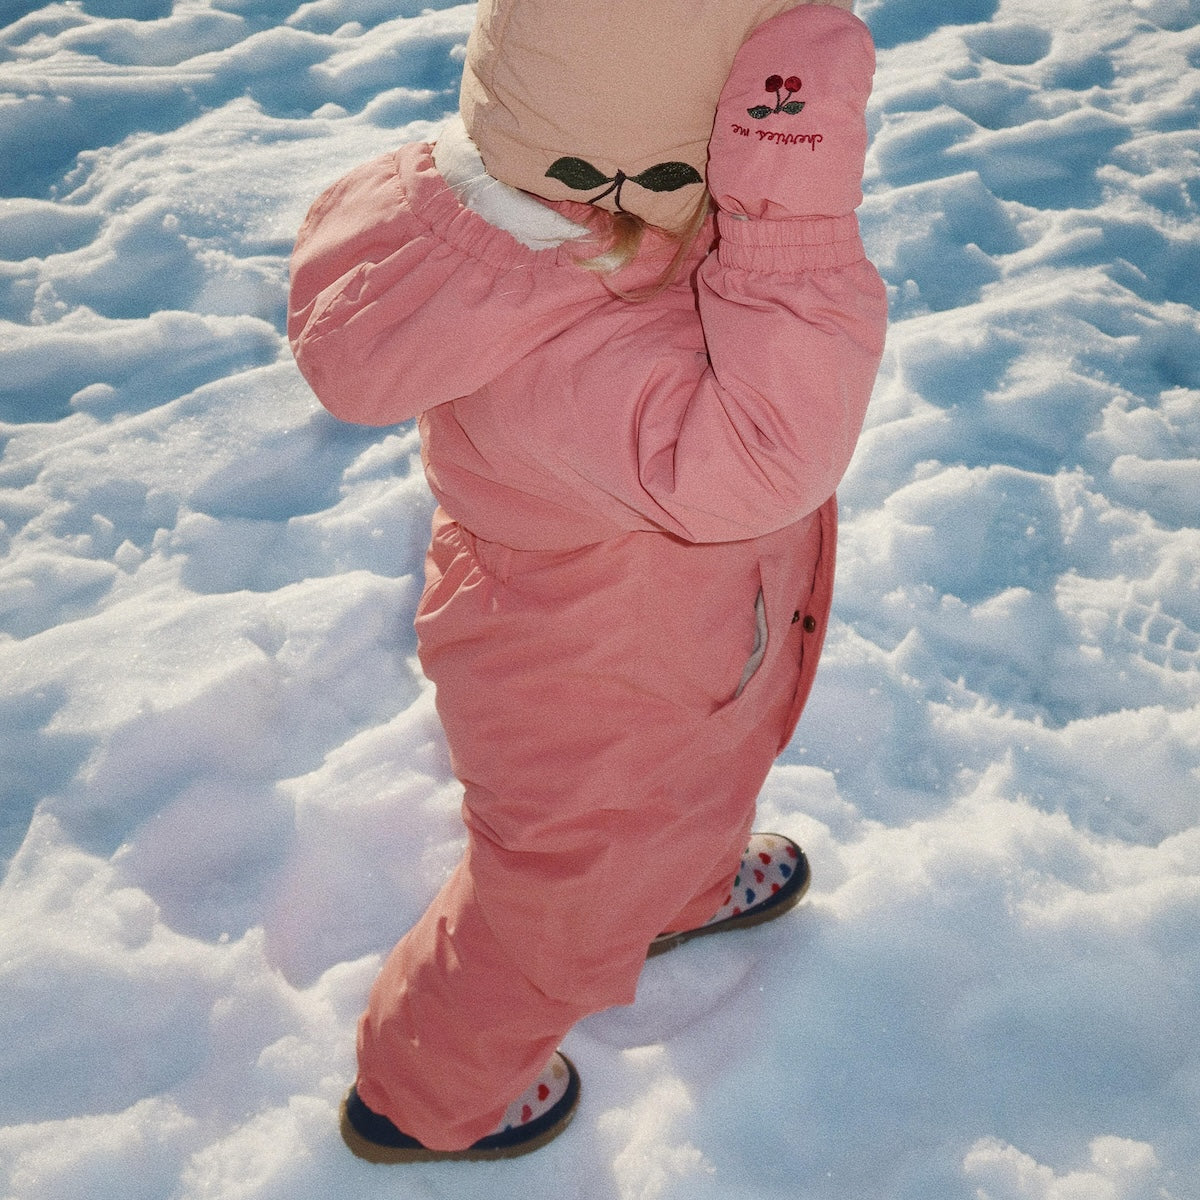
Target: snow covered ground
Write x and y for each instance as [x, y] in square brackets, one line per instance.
[224, 792]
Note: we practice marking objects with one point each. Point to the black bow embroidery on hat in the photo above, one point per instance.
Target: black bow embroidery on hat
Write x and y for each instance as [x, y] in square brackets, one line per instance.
[579, 175]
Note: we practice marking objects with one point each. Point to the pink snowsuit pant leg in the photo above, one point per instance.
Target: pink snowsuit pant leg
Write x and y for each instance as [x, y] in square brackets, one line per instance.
[601, 809]
[455, 1026]
[453, 1031]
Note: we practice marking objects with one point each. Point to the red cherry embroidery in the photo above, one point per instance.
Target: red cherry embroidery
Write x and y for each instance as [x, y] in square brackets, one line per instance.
[791, 851]
[783, 103]
[526, 1114]
[543, 1091]
[774, 887]
[759, 875]
[766, 859]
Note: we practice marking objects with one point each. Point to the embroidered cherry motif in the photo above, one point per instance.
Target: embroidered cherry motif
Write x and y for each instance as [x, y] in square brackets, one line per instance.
[783, 103]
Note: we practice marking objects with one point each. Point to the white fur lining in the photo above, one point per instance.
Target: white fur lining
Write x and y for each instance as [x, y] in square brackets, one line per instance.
[530, 222]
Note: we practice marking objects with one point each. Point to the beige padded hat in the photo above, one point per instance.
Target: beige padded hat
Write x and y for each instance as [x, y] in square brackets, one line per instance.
[610, 102]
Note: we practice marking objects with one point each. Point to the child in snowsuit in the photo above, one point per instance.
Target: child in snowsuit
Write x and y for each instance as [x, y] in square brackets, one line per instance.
[635, 464]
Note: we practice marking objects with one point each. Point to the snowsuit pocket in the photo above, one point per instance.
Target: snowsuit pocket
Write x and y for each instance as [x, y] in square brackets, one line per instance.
[760, 644]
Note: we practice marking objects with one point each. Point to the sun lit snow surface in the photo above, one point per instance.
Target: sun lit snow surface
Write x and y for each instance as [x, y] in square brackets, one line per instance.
[224, 790]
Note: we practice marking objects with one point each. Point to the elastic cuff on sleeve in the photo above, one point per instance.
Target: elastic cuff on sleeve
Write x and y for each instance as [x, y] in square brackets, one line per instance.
[798, 244]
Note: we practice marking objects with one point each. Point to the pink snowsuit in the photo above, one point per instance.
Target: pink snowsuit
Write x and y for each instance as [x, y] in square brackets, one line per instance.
[619, 483]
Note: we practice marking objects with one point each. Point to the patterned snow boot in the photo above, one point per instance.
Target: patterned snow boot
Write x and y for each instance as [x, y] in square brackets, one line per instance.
[534, 1118]
[773, 878]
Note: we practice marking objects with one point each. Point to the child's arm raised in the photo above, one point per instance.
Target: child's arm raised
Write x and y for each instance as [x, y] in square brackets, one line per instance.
[401, 299]
[793, 313]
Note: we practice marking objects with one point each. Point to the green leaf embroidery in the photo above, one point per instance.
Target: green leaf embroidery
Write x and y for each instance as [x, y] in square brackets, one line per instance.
[667, 177]
[792, 107]
[759, 111]
[577, 173]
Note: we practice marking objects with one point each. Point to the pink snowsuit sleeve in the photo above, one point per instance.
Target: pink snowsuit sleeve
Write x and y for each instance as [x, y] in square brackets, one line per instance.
[396, 310]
